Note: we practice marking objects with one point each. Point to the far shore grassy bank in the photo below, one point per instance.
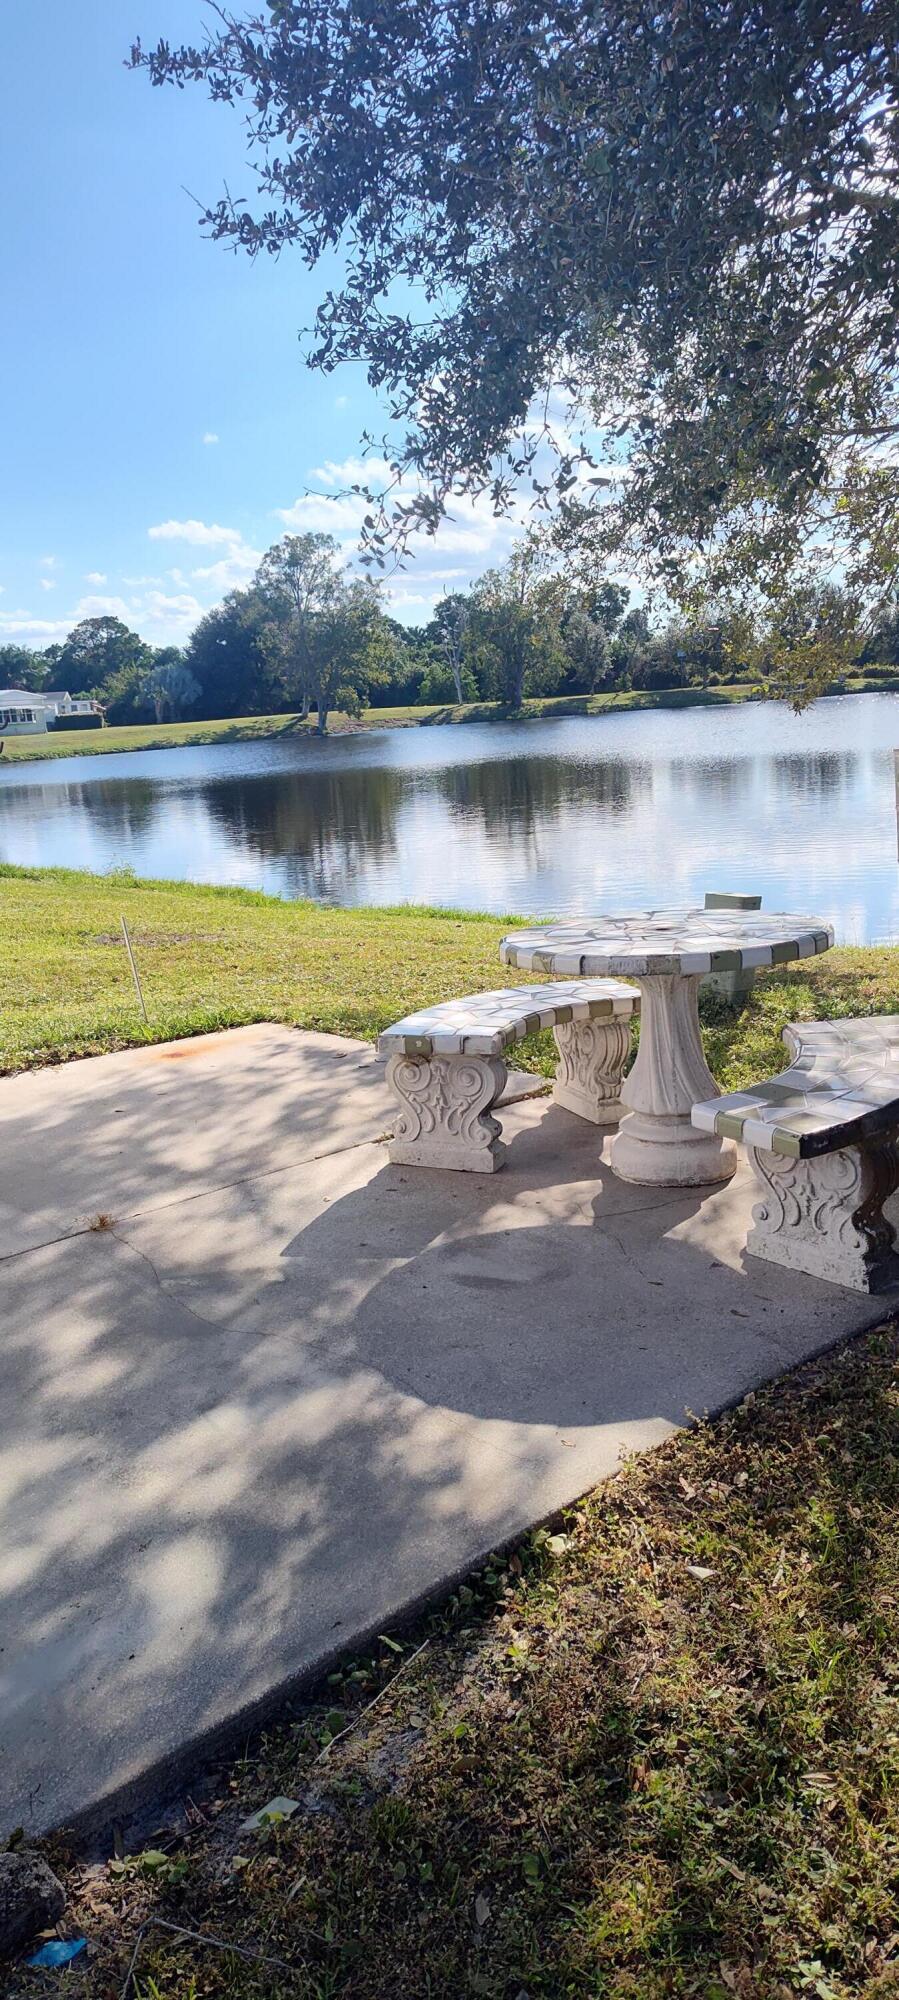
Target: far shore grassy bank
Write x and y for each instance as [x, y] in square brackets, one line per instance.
[215, 957]
[248, 728]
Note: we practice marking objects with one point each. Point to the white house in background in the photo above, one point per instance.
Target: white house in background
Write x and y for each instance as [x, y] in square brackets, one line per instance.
[60, 705]
[22, 713]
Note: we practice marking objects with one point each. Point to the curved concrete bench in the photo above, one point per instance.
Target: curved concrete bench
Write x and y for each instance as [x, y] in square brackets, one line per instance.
[446, 1065]
[823, 1143]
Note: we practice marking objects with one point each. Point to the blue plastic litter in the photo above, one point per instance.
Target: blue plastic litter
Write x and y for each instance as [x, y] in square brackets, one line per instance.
[58, 1951]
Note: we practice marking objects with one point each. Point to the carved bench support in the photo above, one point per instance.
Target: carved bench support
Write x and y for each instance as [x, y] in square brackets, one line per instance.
[592, 1055]
[443, 1116]
[825, 1216]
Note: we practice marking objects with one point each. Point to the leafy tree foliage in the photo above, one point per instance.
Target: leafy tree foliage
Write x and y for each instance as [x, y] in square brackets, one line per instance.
[589, 621]
[684, 215]
[298, 581]
[124, 695]
[170, 685]
[589, 652]
[527, 628]
[330, 630]
[810, 636]
[347, 649]
[449, 626]
[96, 650]
[232, 654]
[22, 668]
[883, 643]
[514, 632]
[405, 657]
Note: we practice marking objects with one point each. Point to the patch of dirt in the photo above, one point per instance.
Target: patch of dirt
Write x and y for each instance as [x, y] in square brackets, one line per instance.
[159, 939]
[185, 1052]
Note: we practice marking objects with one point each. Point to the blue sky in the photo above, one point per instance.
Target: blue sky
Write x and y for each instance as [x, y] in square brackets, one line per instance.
[158, 427]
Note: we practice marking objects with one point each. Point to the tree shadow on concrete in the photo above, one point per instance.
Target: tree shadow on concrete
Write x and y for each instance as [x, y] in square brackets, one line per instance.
[178, 1117]
[248, 1425]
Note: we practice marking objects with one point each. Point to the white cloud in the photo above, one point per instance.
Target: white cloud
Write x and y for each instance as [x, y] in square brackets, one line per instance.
[102, 607]
[234, 569]
[21, 625]
[324, 513]
[48, 583]
[469, 540]
[418, 602]
[202, 534]
[158, 615]
[160, 601]
[49, 562]
[210, 437]
[351, 471]
[96, 576]
[168, 620]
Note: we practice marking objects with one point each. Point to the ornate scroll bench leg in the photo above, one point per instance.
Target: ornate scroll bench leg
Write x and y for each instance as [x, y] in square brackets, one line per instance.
[825, 1215]
[592, 1055]
[443, 1117]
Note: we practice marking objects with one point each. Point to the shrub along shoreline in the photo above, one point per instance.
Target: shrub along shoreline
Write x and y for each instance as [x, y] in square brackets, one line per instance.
[248, 728]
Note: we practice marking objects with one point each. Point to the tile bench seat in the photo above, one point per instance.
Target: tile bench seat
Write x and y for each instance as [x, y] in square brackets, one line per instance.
[446, 1065]
[823, 1142]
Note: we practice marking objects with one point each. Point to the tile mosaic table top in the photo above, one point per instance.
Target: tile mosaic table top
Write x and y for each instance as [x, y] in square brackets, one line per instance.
[484, 1024]
[862, 1045]
[841, 1089]
[654, 942]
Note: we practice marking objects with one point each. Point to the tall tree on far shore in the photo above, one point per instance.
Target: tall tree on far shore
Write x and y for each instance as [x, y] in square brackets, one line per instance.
[513, 635]
[450, 625]
[349, 646]
[298, 579]
[232, 654]
[95, 651]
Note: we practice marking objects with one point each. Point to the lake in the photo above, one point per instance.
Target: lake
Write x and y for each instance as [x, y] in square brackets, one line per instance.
[626, 811]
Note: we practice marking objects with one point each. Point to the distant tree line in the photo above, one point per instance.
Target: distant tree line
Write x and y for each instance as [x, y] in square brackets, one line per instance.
[306, 635]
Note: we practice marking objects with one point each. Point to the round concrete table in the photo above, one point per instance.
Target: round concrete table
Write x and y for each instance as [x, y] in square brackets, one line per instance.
[667, 953]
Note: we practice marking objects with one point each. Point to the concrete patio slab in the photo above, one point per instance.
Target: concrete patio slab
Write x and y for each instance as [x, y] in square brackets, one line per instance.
[113, 1134]
[292, 1390]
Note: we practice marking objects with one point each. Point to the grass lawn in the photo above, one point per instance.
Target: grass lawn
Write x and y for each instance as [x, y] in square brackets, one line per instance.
[245, 728]
[146, 736]
[214, 958]
[655, 1754]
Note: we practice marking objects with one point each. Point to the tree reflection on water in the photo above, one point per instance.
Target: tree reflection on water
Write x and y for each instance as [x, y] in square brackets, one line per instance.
[644, 810]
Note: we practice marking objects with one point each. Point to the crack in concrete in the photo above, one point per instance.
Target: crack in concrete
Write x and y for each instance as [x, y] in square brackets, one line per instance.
[197, 1194]
[162, 1284]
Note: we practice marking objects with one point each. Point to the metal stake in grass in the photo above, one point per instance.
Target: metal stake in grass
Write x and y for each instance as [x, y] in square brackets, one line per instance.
[134, 972]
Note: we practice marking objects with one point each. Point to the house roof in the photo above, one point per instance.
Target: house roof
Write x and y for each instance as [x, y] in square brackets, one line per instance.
[21, 698]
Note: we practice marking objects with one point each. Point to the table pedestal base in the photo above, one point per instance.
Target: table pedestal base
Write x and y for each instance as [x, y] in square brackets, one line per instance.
[656, 1145]
[664, 1153]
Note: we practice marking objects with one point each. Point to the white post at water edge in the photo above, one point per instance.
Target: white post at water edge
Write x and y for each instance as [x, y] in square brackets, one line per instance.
[134, 971]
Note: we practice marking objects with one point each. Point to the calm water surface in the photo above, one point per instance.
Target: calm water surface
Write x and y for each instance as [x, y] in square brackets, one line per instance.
[621, 812]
